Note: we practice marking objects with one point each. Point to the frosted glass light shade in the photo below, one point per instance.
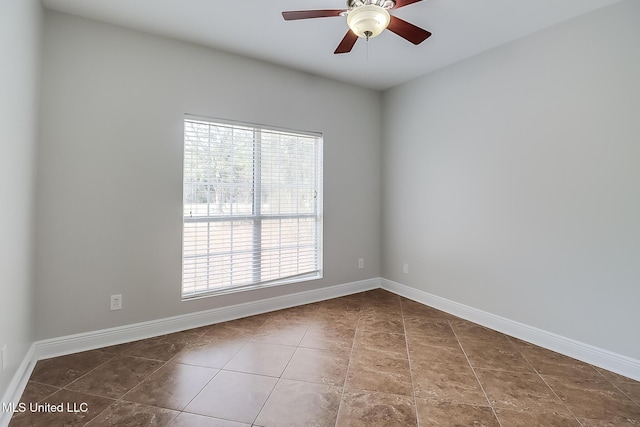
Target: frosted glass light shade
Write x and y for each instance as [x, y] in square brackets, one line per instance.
[368, 21]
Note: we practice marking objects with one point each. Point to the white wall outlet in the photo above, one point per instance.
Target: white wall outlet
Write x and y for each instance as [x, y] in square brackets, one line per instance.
[405, 268]
[3, 357]
[361, 263]
[116, 302]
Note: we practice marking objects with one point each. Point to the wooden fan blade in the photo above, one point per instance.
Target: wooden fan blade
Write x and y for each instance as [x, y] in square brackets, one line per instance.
[403, 3]
[347, 43]
[407, 31]
[306, 14]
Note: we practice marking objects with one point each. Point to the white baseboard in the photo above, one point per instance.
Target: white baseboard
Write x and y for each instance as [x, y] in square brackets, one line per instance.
[60, 346]
[105, 337]
[54, 347]
[601, 358]
[17, 385]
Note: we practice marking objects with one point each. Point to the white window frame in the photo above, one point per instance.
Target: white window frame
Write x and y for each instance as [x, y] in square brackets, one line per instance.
[256, 216]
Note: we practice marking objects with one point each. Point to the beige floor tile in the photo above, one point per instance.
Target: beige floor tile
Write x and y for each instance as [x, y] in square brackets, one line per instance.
[209, 351]
[318, 366]
[449, 383]
[511, 418]
[501, 355]
[632, 390]
[520, 391]
[374, 370]
[173, 386]
[282, 331]
[186, 419]
[116, 377]
[36, 392]
[261, 359]
[446, 414]
[297, 403]
[415, 309]
[436, 350]
[127, 414]
[381, 321]
[465, 331]
[60, 371]
[367, 409]
[595, 400]
[381, 341]
[233, 396]
[159, 348]
[548, 362]
[417, 326]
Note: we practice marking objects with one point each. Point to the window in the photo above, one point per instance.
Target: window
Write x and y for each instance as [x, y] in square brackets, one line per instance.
[252, 206]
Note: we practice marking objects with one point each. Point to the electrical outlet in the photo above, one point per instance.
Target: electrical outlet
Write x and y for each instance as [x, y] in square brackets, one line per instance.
[116, 302]
[361, 263]
[3, 357]
[405, 268]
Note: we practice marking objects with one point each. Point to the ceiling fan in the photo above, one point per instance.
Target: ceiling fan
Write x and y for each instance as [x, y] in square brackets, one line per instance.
[366, 19]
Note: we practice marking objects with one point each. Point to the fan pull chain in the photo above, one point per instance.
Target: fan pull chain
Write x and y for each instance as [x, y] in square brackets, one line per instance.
[367, 35]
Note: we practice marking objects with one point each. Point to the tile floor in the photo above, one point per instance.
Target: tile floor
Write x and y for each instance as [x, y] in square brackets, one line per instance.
[371, 359]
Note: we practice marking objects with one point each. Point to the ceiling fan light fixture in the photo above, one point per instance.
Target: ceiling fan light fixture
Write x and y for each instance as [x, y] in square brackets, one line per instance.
[368, 20]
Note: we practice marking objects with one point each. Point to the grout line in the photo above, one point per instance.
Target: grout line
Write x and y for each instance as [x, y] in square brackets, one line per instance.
[353, 345]
[617, 386]
[544, 381]
[266, 400]
[244, 342]
[121, 398]
[48, 385]
[198, 393]
[279, 377]
[475, 375]
[556, 395]
[113, 356]
[406, 342]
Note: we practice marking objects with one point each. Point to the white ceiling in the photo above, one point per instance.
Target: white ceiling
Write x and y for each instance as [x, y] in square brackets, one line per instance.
[255, 28]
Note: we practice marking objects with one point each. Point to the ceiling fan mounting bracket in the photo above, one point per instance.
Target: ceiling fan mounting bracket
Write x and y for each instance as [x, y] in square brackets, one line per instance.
[385, 4]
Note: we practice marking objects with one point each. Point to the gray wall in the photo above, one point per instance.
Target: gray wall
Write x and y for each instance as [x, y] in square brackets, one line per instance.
[110, 168]
[20, 50]
[511, 181]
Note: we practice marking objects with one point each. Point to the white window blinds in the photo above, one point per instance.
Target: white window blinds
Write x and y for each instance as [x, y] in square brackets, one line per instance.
[252, 206]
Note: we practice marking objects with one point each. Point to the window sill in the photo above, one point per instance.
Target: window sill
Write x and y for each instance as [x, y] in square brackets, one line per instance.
[245, 288]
